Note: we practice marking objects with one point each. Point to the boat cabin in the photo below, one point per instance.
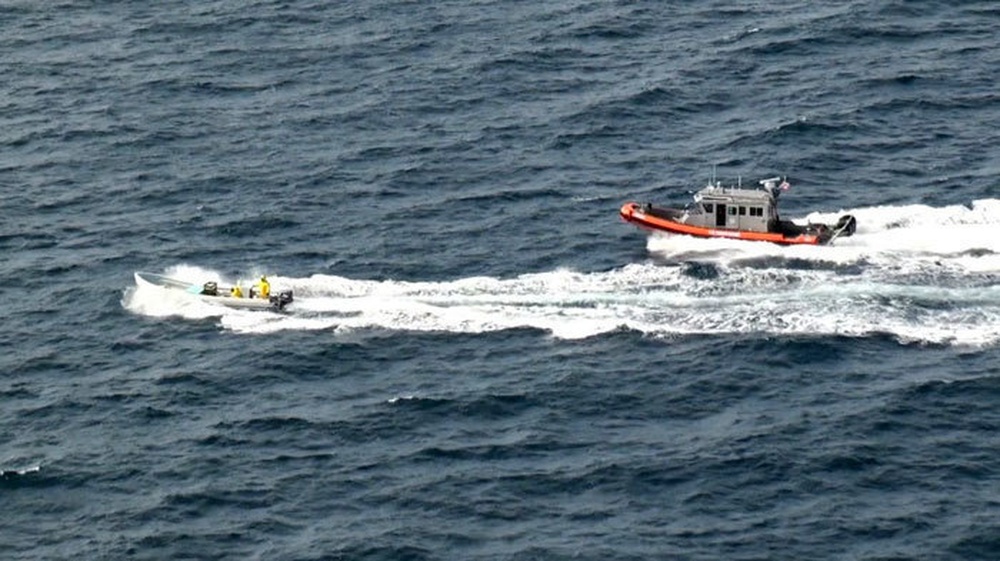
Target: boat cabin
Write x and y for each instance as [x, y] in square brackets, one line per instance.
[734, 208]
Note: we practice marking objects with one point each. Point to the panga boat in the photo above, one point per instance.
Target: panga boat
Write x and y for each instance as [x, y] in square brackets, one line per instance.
[734, 212]
[213, 293]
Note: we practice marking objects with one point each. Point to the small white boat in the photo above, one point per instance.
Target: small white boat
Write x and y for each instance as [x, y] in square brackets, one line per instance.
[211, 292]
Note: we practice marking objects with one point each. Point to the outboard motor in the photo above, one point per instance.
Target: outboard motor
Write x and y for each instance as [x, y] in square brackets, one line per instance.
[283, 299]
[210, 288]
[845, 226]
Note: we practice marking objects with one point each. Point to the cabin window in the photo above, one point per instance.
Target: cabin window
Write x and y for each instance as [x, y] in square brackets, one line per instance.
[743, 211]
[756, 211]
[732, 211]
[708, 207]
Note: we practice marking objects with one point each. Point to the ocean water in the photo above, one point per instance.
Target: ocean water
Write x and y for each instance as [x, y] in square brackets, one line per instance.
[483, 361]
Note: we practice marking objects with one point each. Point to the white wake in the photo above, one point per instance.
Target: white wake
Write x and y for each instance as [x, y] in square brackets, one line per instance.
[917, 273]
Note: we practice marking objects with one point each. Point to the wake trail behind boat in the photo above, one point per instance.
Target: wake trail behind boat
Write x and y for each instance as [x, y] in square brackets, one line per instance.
[929, 283]
[903, 236]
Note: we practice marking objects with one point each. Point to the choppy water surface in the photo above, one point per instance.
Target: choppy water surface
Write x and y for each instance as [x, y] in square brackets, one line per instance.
[483, 361]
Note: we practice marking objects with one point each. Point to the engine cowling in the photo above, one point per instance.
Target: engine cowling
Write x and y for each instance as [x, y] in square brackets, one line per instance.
[846, 225]
[282, 299]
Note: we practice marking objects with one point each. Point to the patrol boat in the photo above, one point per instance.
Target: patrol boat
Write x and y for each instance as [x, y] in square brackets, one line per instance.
[735, 212]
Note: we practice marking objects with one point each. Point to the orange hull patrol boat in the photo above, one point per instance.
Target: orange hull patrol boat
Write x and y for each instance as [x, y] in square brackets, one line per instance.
[734, 212]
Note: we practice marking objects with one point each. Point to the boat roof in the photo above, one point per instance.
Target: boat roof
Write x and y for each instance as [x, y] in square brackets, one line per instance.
[717, 193]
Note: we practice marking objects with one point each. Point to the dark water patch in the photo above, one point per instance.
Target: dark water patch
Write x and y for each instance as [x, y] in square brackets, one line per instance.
[335, 358]
[28, 241]
[162, 198]
[592, 134]
[61, 410]
[656, 96]
[489, 407]
[199, 503]
[183, 545]
[374, 154]
[292, 461]
[980, 390]
[217, 442]
[117, 399]
[903, 11]
[533, 63]
[302, 434]
[976, 252]
[379, 552]
[493, 453]
[949, 417]
[928, 106]
[144, 342]
[251, 227]
[798, 264]
[623, 115]
[149, 413]
[632, 25]
[980, 541]
[700, 270]
[69, 200]
[796, 352]
[702, 396]
[269, 424]
[808, 128]
[984, 9]
[221, 89]
[799, 46]
[313, 256]
[14, 479]
[28, 138]
[494, 203]
[43, 360]
[857, 459]
[19, 390]
[182, 378]
[180, 395]
[905, 80]
[674, 385]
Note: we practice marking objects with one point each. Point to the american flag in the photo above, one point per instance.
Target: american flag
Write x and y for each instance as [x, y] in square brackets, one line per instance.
[785, 185]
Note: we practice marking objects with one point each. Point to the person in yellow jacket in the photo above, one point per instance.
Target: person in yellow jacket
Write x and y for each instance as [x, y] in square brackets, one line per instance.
[236, 291]
[263, 288]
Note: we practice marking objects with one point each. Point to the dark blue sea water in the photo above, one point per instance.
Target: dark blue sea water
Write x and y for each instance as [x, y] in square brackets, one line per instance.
[483, 361]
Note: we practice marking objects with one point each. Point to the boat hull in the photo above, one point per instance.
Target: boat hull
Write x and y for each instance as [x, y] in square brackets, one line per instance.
[662, 220]
[222, 298]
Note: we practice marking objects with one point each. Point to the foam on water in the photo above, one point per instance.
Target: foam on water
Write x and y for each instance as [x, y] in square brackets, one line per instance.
[916, 272]
[901, 236]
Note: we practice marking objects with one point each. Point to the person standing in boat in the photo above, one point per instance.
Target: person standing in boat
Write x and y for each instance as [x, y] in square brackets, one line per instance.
[772, 187]
[263, 287]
